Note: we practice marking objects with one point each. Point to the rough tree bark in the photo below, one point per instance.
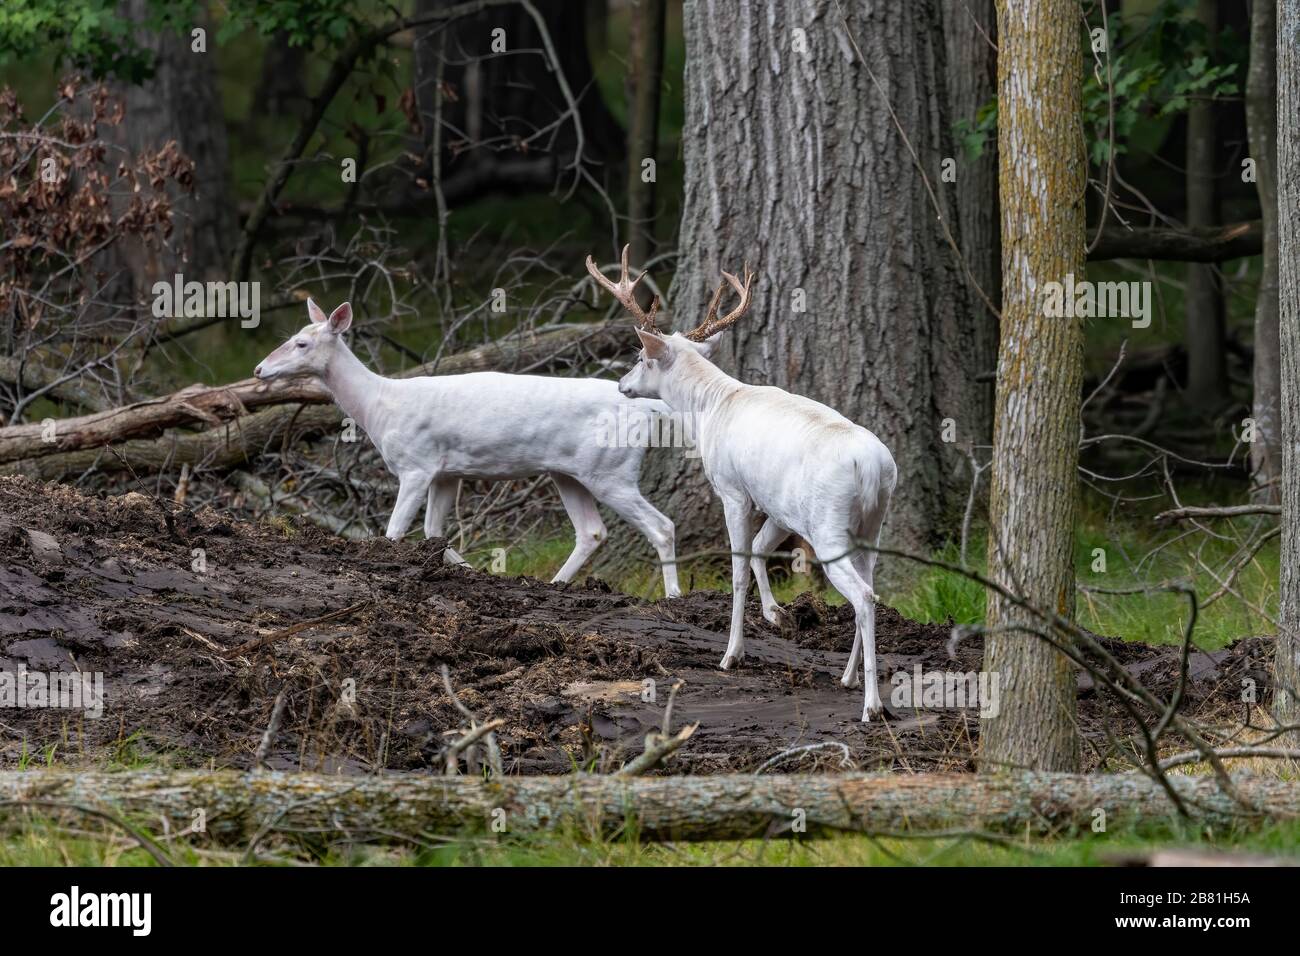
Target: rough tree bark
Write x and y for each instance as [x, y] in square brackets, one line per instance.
[1261, 116]
[970, 32]
[242, 806]
[1034, 490]
[1207, 369]
[1286, 673]
[794, 164]
[644, 82]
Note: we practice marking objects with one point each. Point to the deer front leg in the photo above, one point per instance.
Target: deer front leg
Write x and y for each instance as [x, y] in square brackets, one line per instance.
[740, 529]
[410, 495]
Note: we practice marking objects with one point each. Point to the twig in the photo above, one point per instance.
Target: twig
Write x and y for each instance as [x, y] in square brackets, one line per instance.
[258, 643]
[658, 744]
[845, 760]
[272, 729]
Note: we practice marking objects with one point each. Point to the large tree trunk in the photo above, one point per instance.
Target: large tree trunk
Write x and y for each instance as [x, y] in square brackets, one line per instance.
[1207, 370]
[1034, 490]
[645, 79]
[241, 806]
[970, 32]
[1287, 659]
[180, 102]
[1261, 115]
[794, 164]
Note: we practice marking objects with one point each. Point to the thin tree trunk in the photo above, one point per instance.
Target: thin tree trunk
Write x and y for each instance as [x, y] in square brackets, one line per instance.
[1207, 370]
[242, 806]
[794, 164]
[181, 102]
[1286, 667]
[645, 80]
[502, 100]
[1034, 490]
[970, 31]
[1261, 116]
[281, 89]
[597, 25]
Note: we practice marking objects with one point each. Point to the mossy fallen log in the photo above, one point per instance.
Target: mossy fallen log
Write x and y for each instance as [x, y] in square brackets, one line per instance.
[237, 806]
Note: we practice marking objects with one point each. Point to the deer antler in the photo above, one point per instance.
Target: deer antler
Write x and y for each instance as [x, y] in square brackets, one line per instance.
[712, 325]
[625, 292]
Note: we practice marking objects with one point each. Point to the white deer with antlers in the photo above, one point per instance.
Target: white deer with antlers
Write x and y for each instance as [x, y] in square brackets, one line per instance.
[806, 467]
[434, 431]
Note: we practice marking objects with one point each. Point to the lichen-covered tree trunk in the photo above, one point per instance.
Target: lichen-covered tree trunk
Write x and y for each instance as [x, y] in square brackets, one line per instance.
[1286, 665]
[1261, 116]
[1034, 490]
[794, 164]
[970, 32]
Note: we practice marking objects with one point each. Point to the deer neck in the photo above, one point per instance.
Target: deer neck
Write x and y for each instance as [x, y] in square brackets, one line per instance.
[356, 389]
[699, 386]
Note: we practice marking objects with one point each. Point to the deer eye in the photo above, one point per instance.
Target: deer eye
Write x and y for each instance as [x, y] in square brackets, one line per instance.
[300, 344]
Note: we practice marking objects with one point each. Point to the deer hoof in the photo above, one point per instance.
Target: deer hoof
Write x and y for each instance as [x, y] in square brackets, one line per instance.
[779, 616]
[731, 660]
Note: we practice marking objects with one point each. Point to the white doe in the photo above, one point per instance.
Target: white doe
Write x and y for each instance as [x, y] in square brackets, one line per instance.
[433, 431]
[806, 467]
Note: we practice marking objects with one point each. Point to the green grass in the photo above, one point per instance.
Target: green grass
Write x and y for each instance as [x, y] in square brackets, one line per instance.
[1137, 553]
[1131, 559]
[38, 841]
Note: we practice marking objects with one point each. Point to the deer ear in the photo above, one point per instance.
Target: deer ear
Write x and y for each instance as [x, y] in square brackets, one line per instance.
[341, 318]
[709, 345]
[656, 347]
[315, 311]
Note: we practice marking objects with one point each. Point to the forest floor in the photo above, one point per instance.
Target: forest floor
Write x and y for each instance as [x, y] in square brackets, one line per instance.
[108, 585]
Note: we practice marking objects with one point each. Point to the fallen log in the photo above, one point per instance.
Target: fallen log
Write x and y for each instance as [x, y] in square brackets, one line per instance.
[1188, 244]
[239, 806]
[32, 377]
[235, 435]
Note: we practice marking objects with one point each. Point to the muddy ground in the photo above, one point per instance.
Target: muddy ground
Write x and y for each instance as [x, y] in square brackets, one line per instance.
[108, 585]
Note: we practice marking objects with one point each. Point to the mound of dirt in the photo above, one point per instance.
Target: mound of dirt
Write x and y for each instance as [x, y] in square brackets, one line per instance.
[155, 598]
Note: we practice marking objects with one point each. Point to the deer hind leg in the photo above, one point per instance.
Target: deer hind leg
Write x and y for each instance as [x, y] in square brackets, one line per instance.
[588, 530]
[766, 541]
[442, 495]
[844, 578]
[864, 562]
[628, 503]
